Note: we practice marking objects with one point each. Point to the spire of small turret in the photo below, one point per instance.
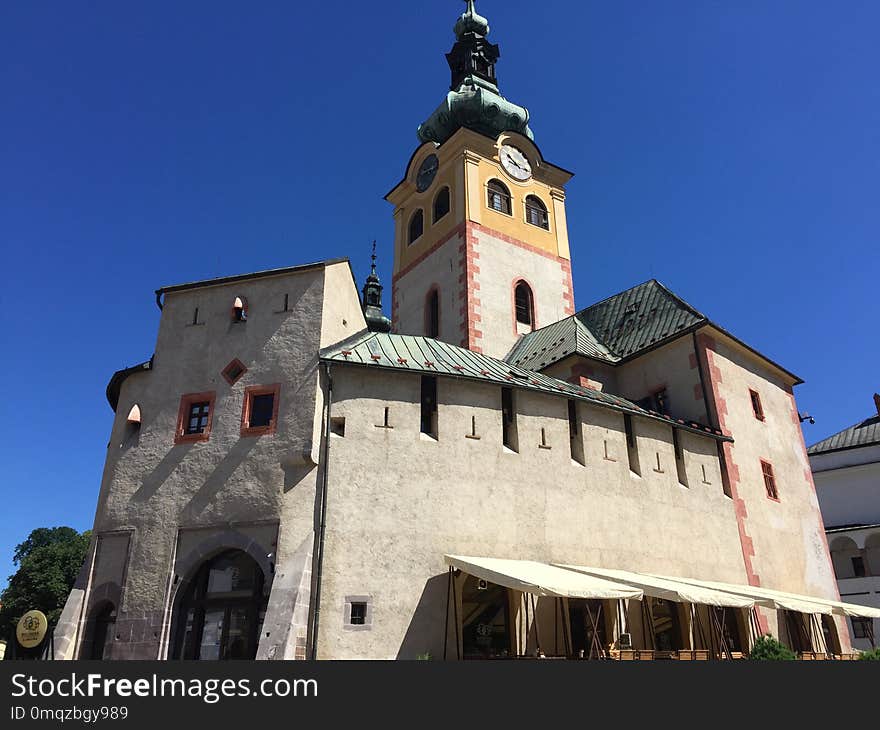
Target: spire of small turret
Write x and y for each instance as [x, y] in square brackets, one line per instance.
[372, 303]
[471, 22]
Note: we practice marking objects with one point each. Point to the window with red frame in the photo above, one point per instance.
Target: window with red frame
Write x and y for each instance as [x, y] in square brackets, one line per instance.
[260, 414]
[194, 418]
[756, 405]
[769, 480]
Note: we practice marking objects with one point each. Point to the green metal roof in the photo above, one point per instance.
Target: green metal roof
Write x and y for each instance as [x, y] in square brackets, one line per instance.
[866, 433]
[428, 356]
[612, 330]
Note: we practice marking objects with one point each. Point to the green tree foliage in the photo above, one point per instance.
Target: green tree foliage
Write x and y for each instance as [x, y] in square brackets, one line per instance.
[48, 563]
[870, 656]
[767, 648]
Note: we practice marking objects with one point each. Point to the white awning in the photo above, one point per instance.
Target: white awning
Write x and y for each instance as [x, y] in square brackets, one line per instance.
[768, 597]
[541, 579]
[669, 589]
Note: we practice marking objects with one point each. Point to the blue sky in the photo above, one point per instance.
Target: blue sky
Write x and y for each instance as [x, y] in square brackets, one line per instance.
[730, 149]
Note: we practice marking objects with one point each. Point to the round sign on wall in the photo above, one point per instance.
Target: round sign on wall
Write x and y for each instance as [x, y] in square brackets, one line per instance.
[31, 629]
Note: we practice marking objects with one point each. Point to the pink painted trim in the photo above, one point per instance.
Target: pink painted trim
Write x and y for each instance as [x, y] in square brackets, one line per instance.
[730, 475]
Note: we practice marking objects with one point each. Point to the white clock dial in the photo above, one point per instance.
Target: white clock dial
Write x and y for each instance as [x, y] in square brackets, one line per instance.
[515, 163]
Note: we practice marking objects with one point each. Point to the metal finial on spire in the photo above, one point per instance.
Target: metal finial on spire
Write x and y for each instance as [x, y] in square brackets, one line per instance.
[373, 258]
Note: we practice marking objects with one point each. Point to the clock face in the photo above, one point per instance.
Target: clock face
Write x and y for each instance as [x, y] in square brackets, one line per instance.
[515, 163]
[427, 172]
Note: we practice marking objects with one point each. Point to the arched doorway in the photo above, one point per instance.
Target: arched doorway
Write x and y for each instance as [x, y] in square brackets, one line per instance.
[220, 614]
[101, 629]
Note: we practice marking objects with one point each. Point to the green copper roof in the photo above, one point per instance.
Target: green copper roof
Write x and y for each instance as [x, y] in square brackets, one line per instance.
[386, 351]
[611, 330]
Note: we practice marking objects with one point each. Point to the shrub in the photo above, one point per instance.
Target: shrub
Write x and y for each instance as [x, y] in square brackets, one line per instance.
[767, 648]
[870, 656]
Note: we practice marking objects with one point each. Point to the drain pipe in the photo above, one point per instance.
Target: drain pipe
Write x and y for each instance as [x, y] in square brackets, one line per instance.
[319, 538]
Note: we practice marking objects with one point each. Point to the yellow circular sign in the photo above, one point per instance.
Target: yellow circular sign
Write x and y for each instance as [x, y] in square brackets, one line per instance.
[32, 629]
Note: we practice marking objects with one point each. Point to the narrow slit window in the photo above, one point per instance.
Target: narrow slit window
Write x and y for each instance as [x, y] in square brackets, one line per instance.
[574, 437]
[195, 316]
[508, 419]
[432, 314]
[679, 458]
[631, 445]
[429, 406]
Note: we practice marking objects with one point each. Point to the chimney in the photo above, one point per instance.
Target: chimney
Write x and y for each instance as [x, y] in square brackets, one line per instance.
[877, 402]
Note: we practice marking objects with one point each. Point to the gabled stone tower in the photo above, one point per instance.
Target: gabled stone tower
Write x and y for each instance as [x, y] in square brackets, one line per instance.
[481, 253]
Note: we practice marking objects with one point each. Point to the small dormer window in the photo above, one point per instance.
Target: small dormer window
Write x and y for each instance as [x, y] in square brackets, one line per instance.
[239, 310]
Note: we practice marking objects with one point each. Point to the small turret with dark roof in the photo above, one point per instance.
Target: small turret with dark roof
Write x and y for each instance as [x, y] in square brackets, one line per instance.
[474, 100]
[372, 300]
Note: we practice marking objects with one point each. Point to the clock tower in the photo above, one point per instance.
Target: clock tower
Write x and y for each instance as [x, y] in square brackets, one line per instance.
[481, 252]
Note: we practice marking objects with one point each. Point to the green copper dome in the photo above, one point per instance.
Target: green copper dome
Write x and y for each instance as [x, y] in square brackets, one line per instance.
[474, 100]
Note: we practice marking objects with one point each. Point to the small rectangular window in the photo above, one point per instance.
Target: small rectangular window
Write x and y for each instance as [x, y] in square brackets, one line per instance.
[769, 480]
[429, 405]
[358, 614]
[197, 421]
[260, 411]
[757, 408]
[858, 564]
[194, 418]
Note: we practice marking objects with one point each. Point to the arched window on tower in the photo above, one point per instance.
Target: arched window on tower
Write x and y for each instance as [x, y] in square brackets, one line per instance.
[536, 213]
[441, 204]
[499, 197]
[524, 304]
[432, 314]
[416, 225]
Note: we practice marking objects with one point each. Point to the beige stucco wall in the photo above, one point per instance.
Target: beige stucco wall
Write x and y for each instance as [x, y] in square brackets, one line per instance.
[673, 367]
[500, 265]
[787, 536]
[398, 501]
[440, 269]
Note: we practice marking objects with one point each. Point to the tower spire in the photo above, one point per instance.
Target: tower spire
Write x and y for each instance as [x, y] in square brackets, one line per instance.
[474, 100]
[372, 300]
